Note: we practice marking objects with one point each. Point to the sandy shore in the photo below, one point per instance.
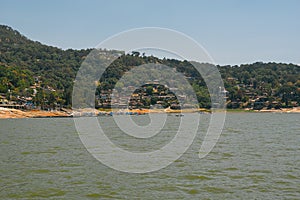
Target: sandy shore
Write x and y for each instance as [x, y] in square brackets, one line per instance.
[14, 113]
[283, 110]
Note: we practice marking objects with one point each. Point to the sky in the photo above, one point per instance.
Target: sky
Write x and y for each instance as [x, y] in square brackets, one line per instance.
[231, 31]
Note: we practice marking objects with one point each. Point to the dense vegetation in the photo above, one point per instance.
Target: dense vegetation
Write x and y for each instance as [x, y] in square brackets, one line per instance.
[53, 67]
[266, 84]
[46, 74]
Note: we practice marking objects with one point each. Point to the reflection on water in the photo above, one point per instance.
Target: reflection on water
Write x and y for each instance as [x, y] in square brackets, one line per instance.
[257, 156]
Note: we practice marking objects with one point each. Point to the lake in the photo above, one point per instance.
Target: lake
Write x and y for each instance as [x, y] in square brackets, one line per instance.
[256, 157]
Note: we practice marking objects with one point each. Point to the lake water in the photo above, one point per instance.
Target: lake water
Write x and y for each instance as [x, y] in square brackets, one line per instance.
[256, 157]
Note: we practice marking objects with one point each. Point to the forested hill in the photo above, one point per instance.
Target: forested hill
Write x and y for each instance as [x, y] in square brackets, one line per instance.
[22, 59]
[262, 84]
[44, 75]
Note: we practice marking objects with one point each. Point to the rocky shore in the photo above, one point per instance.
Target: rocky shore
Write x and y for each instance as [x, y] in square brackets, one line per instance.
[15, 113]
[283, 110]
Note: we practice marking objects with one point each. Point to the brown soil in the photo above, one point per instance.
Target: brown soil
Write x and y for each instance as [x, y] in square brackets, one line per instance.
[14, 113]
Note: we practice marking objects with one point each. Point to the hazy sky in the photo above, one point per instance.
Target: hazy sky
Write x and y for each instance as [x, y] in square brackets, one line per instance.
[232, 31]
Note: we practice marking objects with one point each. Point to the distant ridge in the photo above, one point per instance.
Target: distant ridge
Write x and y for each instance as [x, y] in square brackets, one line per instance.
[45, 74]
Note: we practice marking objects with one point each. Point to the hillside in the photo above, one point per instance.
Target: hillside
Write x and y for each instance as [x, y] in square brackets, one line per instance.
[51, 66]
[39, 75]
[258, 85]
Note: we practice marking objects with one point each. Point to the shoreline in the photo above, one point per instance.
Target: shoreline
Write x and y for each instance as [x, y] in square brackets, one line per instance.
[9, 113]
[6, 113]
[283, 110]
